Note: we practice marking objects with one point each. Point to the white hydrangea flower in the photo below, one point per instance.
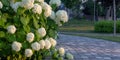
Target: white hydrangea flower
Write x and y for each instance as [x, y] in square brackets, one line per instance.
[56, 2]
[16, 46]
[69, 56]
[52, 16]
[28, 4]
[44, 4]
[53, 42]
[41, 1]
[35, 46]
[62, 15]
[28, 52]
[47, 44]
[42, 44]
[12, 2]
[47, 12]
[47, 8]
[11, 29]
[30, 37]
[1, 5]
[15, 6]
[37, 9]
[57, 20]
[61, 51]
[42, 32]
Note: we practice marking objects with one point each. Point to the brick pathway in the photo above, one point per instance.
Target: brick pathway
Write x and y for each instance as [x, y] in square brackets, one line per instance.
[84, 48]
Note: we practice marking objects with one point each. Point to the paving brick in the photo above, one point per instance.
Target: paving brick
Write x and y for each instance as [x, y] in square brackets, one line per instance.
[84, 48]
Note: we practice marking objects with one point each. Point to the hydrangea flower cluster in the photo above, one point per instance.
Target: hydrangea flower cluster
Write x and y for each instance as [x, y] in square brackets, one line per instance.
[35, 46]
[59, 17]
[61, 51]
[56, 2]
[37, 9]
[42, 32]
[15, 6]
[16, 46]
[28, 52]
[27, 4]
[47, 9]
[30, 37]
[11, 29]
[29, 30]
[1, 5]
[42, 44]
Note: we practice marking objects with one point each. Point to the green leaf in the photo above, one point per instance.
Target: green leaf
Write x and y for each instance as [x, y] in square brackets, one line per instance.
[37, 36]
[5, 48]
[20, 10]
[54, 6]
[25, 45]
[10, 37]
[8, 57]
[20, 57]
[8, 24]
[52, 33]
[21, 36]
[16, 19]
[5, 15]
[2, 34]
[40, 57]
[2, 23]
[3, 20]
[60, 58]
[26, 28]
[2, 45]
[25, 20]
[55, 55]
[35, 23]
[5, 2]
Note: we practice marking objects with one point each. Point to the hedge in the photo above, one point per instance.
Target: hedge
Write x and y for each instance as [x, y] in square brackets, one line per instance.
[105, 26]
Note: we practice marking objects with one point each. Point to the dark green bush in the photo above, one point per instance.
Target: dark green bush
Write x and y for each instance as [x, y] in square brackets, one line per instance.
[106, 26]
[118, 26]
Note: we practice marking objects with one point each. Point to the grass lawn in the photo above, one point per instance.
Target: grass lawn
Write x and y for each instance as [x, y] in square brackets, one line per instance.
[86, 28]
[75, 25]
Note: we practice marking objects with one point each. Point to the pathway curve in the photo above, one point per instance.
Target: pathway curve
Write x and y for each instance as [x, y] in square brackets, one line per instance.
[84, 48]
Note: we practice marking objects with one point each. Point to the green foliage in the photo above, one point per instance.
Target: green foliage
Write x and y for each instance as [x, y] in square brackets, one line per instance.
[2, 34]
[106, 26]
[118, 26]
[5, 2]
[20, 10]
[52, 30]
[71, 3]
[25, 20]
[15, 26]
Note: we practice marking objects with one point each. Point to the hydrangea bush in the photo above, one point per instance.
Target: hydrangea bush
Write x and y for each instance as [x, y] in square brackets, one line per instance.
[28, 29]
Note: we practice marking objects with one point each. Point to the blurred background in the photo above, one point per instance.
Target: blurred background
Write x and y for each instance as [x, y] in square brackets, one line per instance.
[92, 18]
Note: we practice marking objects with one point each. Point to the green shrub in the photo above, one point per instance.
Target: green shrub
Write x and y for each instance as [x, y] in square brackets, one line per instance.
[28, 30]
[106, 26]
[118, 26]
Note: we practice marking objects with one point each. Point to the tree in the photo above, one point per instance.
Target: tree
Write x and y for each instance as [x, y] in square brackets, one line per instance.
[71, 3]
[107, 5]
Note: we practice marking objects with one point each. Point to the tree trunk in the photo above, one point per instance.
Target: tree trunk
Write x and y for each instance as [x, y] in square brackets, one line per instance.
[108, 12]
[112, 13]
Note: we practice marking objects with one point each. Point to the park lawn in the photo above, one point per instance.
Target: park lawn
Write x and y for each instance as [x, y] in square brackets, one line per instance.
[85, 28]
[75, 25]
